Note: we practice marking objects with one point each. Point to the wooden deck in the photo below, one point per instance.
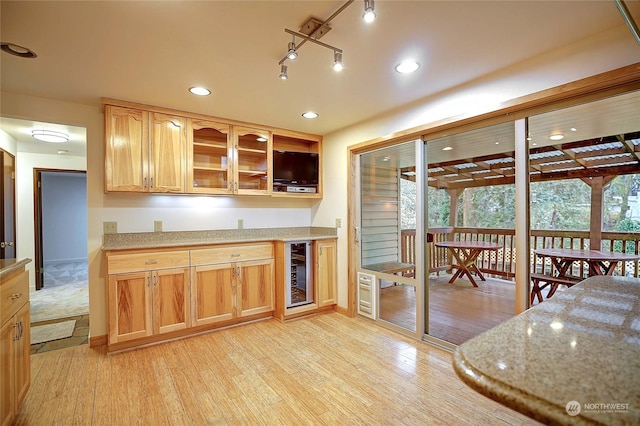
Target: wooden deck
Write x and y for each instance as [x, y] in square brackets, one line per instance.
[457, 311]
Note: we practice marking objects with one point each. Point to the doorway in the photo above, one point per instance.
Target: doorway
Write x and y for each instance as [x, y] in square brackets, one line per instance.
[7, 206]
[60, 208]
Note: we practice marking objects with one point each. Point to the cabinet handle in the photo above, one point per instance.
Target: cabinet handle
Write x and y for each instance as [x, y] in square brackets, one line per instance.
[151, 261]
[21, 330]
[151, 183]
[16, 325]
[235, 254]
[155, 280]
[15, 296]
[144, 183]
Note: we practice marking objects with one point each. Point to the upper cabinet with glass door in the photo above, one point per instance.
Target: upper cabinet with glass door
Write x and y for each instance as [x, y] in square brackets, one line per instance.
[210, 158]
[252, 151]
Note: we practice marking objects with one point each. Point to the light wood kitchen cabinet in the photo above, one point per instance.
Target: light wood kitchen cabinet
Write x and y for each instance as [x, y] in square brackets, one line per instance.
[252, 161]
[231, 281]
[210, 156]
[326, 272]
[148, 294]
[145, 151]
[15, 361]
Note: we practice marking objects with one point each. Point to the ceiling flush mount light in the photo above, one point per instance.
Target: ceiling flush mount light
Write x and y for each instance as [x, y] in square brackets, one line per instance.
[200, 91]
[283, 72]
[556, 137]
[369, 14]
[310, 114]
[14, 49]
[337, 61]
[407, 67]
[50, 136]
[314, 29]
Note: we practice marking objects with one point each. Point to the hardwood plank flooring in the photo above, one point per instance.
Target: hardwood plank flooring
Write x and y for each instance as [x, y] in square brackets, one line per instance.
[457, 312]
[325, 370]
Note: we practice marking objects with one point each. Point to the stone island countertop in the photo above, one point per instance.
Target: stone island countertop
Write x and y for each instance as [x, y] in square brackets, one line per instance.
[573, 359]
[141, 240]
[8, 266]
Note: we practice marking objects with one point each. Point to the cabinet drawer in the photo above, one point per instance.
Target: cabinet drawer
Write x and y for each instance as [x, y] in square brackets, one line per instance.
[235, 253]
[13, 294]
[121, 263]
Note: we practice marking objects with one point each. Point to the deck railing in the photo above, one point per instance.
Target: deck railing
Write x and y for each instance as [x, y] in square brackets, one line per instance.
[502, 262]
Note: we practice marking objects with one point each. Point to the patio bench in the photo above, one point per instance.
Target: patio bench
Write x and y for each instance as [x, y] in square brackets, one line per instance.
[549, 280]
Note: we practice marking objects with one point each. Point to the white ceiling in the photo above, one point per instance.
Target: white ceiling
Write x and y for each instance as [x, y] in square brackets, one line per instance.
[151, 52]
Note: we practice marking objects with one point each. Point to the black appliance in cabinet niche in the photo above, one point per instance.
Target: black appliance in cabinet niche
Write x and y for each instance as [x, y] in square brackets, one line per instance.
[299, 280]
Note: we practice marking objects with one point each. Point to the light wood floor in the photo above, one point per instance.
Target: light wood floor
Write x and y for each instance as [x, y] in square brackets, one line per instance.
[457, 312]
[326, 370]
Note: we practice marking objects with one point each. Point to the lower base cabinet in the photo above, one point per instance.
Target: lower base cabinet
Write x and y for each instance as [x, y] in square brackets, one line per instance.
[15, 350]
[228, 290]
[170, 292]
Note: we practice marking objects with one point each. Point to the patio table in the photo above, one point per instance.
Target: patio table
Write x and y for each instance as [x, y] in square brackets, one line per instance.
[466, 253]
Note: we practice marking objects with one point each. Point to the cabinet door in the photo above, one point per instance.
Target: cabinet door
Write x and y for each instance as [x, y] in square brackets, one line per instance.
[213, 293]
[127, 148]
[22, 352]
[129, 306]
[7, 397]
[210, 163]
[255, 287]
[168, 151]
[253, 155]
[326, 274]
[170, 300]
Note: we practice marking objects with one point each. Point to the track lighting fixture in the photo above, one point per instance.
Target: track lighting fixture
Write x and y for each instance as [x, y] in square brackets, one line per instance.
[283, 72]
[313, 29]
[369, 14]
[292, 53]
[337, 61]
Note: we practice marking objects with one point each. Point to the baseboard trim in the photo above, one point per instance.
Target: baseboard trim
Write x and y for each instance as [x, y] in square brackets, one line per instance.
[96, 341]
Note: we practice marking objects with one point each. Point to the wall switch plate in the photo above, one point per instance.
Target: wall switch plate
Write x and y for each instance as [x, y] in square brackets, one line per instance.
[240, 223]
[338, 222]
[157, 226]
[109, 227]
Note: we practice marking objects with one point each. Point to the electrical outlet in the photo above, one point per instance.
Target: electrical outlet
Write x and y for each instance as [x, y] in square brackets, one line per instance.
[110, 227]
[240, 223]
[157, 226]
[338, 222]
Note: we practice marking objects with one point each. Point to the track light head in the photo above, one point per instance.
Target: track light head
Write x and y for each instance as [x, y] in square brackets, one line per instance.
[292, 54]
[283, 72]
[369, 14]
[337, 61]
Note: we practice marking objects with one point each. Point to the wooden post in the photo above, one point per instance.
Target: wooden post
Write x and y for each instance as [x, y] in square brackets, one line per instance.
[597, 209]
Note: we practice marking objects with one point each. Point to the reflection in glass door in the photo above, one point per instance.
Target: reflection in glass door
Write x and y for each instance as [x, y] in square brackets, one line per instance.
[387, 235]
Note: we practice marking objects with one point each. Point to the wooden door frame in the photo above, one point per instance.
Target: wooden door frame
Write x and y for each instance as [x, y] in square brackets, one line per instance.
[37, 220]
[2, 205]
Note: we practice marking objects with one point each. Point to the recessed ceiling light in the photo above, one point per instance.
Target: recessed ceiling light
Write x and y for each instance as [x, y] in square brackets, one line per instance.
[14, 49]
[63, 151]
[447, 148]
[50, 136]
[310, 114]
[573, 129]
[408, 66]
[200, 91]
[556, 137]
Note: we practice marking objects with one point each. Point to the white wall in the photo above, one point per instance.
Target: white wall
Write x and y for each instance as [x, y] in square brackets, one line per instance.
[136, 213]
[7, 143]
[64, 217]
[25, 163]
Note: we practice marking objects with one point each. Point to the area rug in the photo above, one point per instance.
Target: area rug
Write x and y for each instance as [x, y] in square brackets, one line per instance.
[55, 331]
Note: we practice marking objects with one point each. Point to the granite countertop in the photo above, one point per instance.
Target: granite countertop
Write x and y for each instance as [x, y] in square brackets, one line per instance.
[573, 359]
[8, 266]
[142, 240]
